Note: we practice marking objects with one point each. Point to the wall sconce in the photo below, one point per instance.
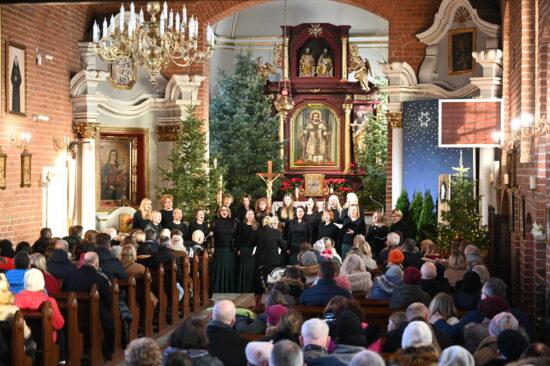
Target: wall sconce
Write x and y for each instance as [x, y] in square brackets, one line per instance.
[532, 183]
[40, 117]
[39, 56]
[21, 141]
[540, 127]
[69, 146]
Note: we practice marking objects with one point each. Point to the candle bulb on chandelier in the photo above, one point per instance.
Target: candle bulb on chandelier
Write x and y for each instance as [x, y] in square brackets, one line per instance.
[161, 25]
[121, 20]
[112, 26]
[95, 32]
[505, 179]
[164, 10]
[196, 28]
[105, 27]
[171, 20]
[191, 27]
[177, 28]
[184, 16]
[141, 17]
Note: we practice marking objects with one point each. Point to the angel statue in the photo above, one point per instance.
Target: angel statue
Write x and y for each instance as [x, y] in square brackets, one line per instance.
[360, 66]
[264, 68]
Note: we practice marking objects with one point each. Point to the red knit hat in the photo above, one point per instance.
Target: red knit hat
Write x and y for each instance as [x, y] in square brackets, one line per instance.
[411, 276]
[396, 256]
[274, 313]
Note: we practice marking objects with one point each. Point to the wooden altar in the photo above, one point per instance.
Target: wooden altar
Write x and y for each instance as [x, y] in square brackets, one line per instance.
[318, 130]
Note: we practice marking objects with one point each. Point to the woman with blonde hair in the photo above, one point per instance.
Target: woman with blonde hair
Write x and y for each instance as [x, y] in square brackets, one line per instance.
[286, 213]
[7, 307]
[442, 306]
[333, 204]
[128, 258]
[363, 247]
[377, 232]
[456, 267]
[38, 261]
[167, 211]
[431, 250]
[354, 224]
[244, 236]
[398, 225]
[330, 247]
[354, 268]
[143, 214]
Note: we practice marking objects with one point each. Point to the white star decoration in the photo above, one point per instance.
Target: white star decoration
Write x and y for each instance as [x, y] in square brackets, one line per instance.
[424, 119]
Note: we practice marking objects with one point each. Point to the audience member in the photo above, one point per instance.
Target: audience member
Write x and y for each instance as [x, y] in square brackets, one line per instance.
[326, 288]
[410, 291]
[456, 356]
[6, 255]
[178, 359]
[288, 327]
[38, 261]
[75, 236]
[350, 338]
[384, 285]
[535, 350]
[392, 242]
[367, 358]
[396, 319]
[511, 344]
[7, 306]
[190, 338]
[456, 268]
[315, 340]
[42, 243]
[468, 291]
[59, 264]
[22, 263]
[142, 352]
[411, 256]
[363, 248]
[225, 343]
[257, 353]
[428, 281]
[164, 256]
[442, 306]
[483, 273]
[354, 269]
[286, 353]
[109, 265]
[417, 346]
[488, 348]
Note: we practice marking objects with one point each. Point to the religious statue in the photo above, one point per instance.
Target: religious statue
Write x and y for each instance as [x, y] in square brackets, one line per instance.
[316, 139]
[264, 68]
[359, 129]
[324, 65]
[15, 86]
[307, 64]
[360, 66]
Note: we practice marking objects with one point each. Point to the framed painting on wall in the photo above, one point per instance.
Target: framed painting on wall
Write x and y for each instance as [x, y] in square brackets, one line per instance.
[315, 137]
[16, 81]
[3, 168]
[123, 75]
[461, 44]
[26, 168]
[121, 167]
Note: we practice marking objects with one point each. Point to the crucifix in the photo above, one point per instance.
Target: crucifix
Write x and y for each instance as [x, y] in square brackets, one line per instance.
[269, 178]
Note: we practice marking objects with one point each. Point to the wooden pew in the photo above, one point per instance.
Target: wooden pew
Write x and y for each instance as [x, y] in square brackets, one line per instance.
[170, 272]
[13, 334]
[40, 322]
[68, 305]
[205, 279]
[196, 285]
[130, 287]
[147, 307]
[252, 337]
[89, 323]
[184, 305]
[158, 290]
[115, 311]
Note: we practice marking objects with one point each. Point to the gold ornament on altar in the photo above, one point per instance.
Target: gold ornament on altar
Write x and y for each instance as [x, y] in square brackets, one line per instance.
[155, 43]
[307, 64]
[360, 66]
[278, 55]
[315, 30]
[324, 65]
[263, 69]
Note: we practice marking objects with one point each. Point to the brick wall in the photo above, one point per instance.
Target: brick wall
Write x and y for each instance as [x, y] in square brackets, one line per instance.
[55, 30]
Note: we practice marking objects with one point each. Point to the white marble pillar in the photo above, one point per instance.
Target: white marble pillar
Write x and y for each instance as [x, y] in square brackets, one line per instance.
[395, 122]
[486, 159]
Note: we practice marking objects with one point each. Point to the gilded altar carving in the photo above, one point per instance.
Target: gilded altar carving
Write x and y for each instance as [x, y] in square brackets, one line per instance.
[395, 120]
[85, 130]
[168, 132]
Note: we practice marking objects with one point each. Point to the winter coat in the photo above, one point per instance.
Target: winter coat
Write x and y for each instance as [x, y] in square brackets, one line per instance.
[407, 294]
[322, 293]
[486, 351]
[360, 281]
[200, 357]
[226, 344]
[344, 353]
[415, 356]
[58, 264]
[384, 286]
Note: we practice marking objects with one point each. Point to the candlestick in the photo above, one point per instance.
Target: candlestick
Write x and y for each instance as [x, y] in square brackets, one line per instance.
[121, 23]
[532, 182]
[505, 179]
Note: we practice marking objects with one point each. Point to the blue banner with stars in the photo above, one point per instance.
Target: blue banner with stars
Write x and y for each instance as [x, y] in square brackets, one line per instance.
[423, 160]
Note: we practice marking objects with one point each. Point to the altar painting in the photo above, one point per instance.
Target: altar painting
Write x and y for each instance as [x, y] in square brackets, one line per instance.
[314, 137]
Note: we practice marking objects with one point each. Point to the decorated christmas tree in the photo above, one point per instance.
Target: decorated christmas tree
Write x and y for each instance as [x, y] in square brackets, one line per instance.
[463, 218]
[243, 132]
[427, 222]
[191, 178]
[416, 210]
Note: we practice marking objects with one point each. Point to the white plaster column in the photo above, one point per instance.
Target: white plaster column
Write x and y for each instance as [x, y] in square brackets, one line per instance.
[490, 84]
[486, 158]
[395, 122]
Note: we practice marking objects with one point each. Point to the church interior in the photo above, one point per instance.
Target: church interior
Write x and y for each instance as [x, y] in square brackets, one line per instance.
[419, 106]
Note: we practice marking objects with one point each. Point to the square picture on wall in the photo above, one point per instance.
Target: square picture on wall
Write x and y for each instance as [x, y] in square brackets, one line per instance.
[3, 168]
[16, 101]
[462, 42]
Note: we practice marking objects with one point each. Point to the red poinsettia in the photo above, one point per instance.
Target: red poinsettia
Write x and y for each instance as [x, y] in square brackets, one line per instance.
[291, 183]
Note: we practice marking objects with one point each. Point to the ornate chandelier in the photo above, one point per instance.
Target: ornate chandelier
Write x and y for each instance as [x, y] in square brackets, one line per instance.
[153, 43]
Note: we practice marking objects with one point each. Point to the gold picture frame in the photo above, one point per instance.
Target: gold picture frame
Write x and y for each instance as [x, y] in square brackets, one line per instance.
[122, 167]
[314, 185]
[26, 168]
[300, 157]
[123, 75]
[16, 79]
[3, 168]
[461, 44]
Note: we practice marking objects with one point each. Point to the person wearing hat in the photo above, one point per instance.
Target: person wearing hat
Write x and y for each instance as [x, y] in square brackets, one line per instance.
[412, 256]
[395, 258]
[410, 292]
[468, 291]
[511, 344]
[257, 353]
[456, 356]
[326, 288]
[488, 348]
[274, 314]
[384, 285]
[417, 346]
[350, 338]
[309, 266]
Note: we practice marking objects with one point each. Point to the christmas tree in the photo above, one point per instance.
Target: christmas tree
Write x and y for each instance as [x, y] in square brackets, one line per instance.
[416, 210]
[243, 132]
[192, 179]
[403, 204]
[427, 222]
[463, 218]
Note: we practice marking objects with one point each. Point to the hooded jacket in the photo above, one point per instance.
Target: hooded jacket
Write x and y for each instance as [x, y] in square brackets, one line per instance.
[384, 286]
[58, 264]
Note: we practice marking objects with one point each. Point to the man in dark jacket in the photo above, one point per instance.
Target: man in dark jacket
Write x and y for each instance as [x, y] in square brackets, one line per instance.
[412, 257]
[326, 288]
[410, 291]
[225, 343]
[58, 264]
[82, 280]
[164, 255]
[112, 267]
[415, 311]
[75, 236]
[428, 281]
[314, 339]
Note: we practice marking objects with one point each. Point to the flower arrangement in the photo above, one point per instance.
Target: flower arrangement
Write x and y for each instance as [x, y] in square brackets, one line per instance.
[353, 168]
[291, 183]
[338, 185]
[538, 232]
[129, 221]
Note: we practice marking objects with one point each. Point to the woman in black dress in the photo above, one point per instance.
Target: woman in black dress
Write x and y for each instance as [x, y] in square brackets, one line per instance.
[223, 272]
[177, 224]
[167, 212]
[245, 206]
[198, 224]
[245, 235]
[354, 225]
[285, 213]
[263, 209]
[267, 241]
[227, 201]
[327, 228]
[398, 225]
[313, 217]
[377, 233]
[142, 215]
[336, 208]
[298, 232]
[351, 199]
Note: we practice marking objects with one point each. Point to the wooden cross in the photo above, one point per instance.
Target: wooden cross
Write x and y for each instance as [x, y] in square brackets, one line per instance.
[269, 178]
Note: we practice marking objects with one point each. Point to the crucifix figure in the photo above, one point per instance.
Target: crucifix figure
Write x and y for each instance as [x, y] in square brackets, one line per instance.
[269, 178]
